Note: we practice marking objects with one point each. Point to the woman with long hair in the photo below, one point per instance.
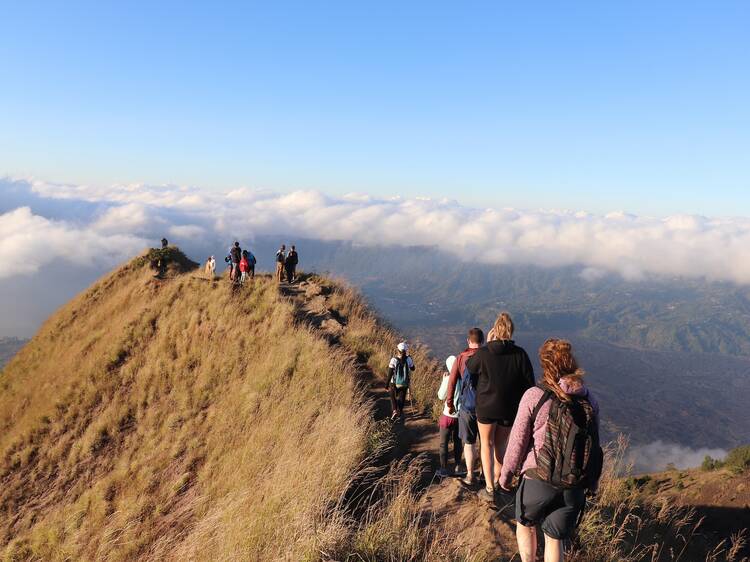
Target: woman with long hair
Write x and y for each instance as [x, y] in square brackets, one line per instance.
[556, 508]
[503, 373]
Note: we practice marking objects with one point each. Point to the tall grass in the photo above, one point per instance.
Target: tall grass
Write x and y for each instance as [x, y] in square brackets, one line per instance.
[178, 419]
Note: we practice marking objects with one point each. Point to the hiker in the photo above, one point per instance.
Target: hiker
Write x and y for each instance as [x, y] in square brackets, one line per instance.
[244, 267]
[461, 397]
[251, 261]
[210, 267]
[551, 418]
[292, 259]
[448, 425]
[280, 259]
[236, 254]
[164, 243]
[399, 372]
[503, 373]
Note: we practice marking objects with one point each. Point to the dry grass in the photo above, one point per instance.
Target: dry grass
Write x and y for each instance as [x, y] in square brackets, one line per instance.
[624, 525]
[179, 419]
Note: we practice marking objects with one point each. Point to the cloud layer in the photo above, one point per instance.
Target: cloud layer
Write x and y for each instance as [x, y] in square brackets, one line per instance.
[128, 216]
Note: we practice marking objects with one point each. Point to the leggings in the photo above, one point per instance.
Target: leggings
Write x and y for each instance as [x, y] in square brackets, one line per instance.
[450, 434]
[398, 397]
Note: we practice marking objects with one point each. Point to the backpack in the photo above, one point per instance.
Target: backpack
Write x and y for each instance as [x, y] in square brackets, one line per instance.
[251, 259]
[280, 256]
[571, 456]
[401, 374]
[468, 395]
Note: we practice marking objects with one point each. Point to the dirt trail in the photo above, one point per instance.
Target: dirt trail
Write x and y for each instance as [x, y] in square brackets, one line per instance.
[483, 530]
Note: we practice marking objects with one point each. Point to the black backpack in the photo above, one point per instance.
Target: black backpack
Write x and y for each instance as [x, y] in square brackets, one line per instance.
[571, 456]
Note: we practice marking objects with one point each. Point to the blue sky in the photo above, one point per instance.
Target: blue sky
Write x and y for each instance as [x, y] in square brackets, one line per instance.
[639, 106]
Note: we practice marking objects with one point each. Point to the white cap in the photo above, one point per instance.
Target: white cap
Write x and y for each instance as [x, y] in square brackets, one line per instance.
[403, 346]
[449, 362]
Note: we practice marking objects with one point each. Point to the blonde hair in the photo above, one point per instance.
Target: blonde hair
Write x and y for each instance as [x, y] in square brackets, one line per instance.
[558, 362]
[502, 329]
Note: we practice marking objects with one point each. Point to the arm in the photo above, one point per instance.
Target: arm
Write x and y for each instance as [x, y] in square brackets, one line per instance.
[519, 440]
[410, 362]
[452, 378]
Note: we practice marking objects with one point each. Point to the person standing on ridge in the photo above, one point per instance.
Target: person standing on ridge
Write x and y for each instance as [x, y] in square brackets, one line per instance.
[251, 261]
[236, 254]
[244, 267]
[280, 259]
[461, 396]
[399, 374]
[292, 259]
[558, 416]
[210, 267]
[503, 373]
[448, 424]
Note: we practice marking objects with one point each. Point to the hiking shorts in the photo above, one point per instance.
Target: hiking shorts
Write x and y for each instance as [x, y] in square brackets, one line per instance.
[467, 427]
[557, 510]
[498, 421]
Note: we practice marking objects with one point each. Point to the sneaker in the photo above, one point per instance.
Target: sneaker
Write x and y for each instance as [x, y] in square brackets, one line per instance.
[486, 495]
[467, 482]
[394, 415]
[442, 473]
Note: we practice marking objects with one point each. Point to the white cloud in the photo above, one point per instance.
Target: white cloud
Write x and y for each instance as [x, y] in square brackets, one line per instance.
[29, 242]
[632, 246]
[657, 455]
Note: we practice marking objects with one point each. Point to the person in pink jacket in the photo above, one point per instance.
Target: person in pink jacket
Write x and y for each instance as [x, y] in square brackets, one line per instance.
[556, 510]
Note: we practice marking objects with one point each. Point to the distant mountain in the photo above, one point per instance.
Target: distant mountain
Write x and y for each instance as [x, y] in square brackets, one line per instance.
[669, 358]
[423, 286]
[8, 348]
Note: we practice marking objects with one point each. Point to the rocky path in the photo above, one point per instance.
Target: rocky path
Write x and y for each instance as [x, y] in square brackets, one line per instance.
[483, 530]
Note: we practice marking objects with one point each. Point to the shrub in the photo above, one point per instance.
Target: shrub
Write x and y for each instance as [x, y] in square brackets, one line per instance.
[738, 458]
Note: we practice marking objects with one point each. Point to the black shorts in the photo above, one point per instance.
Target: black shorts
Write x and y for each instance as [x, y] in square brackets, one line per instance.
[467, 427]
[504, 423]
[556, 509]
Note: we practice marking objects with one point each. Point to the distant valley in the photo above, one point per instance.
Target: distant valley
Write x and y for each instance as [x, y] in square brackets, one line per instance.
[8, 348]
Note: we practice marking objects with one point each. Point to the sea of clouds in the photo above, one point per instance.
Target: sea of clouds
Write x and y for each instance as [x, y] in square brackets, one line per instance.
[41, 221]
[656, 456]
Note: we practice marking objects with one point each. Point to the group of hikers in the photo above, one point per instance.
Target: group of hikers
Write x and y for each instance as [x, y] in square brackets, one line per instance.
[241, 264]
[538, 440]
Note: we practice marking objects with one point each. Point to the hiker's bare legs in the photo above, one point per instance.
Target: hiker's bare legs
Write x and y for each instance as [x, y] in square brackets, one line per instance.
[526, 537]
[487, 442]
[469, 454]
[553, 549]
[502, 434]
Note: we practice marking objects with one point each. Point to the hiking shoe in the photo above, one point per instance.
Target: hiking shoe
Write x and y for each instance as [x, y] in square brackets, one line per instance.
[486, 495]
[394, 415]
[467, 482]
[442, 473]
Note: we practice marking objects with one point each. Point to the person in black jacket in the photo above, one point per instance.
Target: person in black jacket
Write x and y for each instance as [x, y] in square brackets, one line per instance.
[503, 373]
[290, 264]
[236, 254]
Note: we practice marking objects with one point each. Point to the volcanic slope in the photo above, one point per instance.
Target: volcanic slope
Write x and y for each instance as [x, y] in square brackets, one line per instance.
[176, 418]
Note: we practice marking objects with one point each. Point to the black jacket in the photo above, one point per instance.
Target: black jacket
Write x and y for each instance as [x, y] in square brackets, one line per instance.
[502, 372]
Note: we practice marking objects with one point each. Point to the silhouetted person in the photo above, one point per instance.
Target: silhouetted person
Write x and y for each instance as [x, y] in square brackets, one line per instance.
[236, 255]
[292, 259]
[164, 243]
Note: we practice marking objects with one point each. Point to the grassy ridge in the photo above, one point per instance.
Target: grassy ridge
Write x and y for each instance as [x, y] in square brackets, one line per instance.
[176, 419]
